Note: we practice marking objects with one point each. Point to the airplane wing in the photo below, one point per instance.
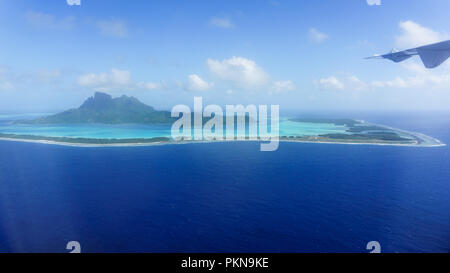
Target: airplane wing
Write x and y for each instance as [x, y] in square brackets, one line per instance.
[432, 55]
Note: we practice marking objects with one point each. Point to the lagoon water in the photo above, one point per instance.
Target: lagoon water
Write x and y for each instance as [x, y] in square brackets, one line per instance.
[229, 196]
[287, 128]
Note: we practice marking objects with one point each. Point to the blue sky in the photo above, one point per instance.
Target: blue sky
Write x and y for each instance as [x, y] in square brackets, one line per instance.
[303, 55]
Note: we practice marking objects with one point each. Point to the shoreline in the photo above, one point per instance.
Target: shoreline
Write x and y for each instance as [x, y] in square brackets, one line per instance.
[407, 139]
[160, 143]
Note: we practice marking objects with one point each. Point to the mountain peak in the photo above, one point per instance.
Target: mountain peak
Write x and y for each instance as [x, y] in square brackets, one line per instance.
[98, 101]
[101, 95]
[103, 108]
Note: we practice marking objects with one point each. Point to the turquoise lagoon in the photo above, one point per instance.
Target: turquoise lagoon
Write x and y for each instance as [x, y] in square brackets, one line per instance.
[126, 131]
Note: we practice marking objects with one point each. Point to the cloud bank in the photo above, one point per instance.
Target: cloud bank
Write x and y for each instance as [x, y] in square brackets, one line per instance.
[238, 71]
[414, 35]
[196, 83]
[114, 80]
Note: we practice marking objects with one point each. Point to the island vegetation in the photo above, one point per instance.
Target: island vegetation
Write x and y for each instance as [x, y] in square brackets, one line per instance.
[360, 131]
[102, 108]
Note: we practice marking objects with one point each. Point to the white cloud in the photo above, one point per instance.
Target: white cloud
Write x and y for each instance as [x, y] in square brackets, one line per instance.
[283, 86]
[114, 80]
[354, 83]
[316, 36]
[221, 22]
[73, 2]
[420, 79]
[48, 21]
[151, 85]
[113, 28]
[395, 83]
[414, 35]
[106, 81]
[349, 83]
[195, 83]
[373, 2]
[330, 83]
[239, 71]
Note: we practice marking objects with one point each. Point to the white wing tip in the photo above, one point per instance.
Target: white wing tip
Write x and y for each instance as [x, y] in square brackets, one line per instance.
[377, 56]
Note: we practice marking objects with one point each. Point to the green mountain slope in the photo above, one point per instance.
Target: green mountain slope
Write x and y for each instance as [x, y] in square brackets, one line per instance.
[102, 108]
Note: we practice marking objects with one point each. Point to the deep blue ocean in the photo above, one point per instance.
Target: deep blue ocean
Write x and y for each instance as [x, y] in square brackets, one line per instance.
[229, 197]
